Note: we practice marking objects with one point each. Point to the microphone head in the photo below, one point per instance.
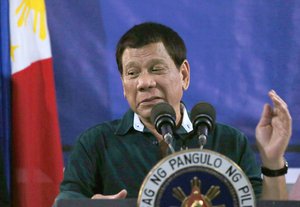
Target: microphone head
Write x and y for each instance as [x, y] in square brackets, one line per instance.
[203, 113]
[161, 114]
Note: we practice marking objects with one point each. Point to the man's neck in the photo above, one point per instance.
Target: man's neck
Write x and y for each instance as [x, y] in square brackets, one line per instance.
[148, 124]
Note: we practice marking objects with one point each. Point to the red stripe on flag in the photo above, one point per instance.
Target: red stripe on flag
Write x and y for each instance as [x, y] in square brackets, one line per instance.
[37, 152]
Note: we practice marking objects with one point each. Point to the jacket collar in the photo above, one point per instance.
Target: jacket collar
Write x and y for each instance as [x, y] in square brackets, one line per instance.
[131, 121]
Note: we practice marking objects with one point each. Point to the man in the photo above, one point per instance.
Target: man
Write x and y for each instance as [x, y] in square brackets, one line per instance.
[111, 159]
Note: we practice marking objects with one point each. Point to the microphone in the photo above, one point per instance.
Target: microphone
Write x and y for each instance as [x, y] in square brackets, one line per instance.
[203, 117]
[163, 118]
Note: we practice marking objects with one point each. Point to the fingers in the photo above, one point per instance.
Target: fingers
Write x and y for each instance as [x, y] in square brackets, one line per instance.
[122, 194]
[279, 104]
[277, 101]
[266, 116]
[280, 107]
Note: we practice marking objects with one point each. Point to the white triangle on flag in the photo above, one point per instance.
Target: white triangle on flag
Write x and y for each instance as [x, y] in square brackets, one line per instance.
[28, 45]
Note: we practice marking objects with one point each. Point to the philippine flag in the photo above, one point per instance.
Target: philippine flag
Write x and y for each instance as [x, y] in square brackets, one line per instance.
[37, 164]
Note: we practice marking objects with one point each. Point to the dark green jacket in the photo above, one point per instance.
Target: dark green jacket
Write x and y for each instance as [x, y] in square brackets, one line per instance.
[113, 156]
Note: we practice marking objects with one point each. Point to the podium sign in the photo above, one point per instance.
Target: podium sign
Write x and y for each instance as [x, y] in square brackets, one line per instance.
[196, 178]
[190, 178]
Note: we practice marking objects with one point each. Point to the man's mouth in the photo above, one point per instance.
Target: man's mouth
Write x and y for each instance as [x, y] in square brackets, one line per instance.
[152, 100]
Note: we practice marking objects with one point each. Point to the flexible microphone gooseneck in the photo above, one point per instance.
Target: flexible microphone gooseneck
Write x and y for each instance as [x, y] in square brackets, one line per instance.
[163, 117]
[203, 117]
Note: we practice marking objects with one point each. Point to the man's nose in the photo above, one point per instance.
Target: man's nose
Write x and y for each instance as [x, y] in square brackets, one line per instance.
[146, 81]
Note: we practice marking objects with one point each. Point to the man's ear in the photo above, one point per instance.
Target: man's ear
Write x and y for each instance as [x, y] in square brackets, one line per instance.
[185, 72]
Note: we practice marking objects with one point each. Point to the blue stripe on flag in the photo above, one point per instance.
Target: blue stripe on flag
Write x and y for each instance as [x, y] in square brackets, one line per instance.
[5, 71]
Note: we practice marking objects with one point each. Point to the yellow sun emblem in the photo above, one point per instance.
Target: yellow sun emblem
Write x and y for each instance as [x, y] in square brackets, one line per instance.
[39, 13]
[196, 199]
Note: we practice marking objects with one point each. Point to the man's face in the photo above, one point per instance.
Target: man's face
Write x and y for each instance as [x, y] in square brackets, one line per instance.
[150, 76]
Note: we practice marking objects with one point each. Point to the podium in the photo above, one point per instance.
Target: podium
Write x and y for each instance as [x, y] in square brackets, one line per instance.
[133, 202]
[194, 165]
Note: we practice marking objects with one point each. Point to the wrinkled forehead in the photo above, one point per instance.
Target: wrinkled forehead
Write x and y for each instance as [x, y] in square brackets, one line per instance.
[148, 52]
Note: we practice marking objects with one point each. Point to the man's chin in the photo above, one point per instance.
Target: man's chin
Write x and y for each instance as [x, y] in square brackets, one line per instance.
[144, 112]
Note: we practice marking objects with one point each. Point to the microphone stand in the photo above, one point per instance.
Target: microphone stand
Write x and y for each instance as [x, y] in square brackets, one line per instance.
[168, 137]
[202, 141]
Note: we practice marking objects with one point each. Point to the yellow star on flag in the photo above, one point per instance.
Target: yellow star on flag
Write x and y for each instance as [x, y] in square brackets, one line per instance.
[12, 51]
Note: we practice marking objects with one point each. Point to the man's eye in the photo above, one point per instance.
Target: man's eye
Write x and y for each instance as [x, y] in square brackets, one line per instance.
[132, 73]
[157, 68]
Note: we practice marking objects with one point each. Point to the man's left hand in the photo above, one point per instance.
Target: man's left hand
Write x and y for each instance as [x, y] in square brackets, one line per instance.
[273, 132]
